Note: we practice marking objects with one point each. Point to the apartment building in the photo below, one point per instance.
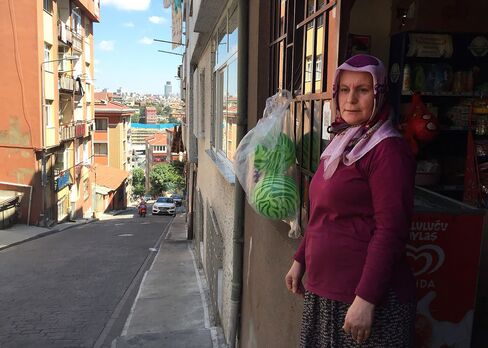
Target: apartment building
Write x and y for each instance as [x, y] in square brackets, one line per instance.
[111, 152]
[46, 102]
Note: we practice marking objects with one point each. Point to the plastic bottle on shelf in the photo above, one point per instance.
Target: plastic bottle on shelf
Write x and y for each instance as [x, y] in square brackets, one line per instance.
[407, 78]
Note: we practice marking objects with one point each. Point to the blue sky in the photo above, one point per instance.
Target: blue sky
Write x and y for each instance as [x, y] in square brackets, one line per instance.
[126, 55]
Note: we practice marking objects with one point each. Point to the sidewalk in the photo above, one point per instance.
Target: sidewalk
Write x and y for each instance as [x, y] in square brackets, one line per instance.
[21, 233]
[170, 309]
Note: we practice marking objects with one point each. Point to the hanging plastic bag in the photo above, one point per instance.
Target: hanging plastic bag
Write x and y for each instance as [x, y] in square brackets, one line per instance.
[264, 163]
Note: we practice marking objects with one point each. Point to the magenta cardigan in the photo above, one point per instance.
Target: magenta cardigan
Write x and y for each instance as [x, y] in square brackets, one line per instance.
[359, 225]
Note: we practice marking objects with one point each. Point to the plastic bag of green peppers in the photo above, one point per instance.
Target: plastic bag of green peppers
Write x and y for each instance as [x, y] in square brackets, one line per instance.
[264, 163]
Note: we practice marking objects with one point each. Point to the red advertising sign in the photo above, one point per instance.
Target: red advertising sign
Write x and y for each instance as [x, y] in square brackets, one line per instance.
[444, 253]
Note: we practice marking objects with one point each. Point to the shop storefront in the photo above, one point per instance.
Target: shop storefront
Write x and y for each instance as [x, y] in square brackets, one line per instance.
[437, 56]
[438, 76]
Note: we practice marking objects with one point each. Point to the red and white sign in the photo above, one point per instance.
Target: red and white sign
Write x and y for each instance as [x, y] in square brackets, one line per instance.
[444, 253]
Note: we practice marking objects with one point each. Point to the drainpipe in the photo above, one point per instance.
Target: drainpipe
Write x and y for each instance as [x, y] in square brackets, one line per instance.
[239, 198]
[30, 196]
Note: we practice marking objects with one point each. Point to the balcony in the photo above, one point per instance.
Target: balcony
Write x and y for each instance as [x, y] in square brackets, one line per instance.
[69, 85]
[66, 85]
[64, 34]
[73, 130]
[77, 42]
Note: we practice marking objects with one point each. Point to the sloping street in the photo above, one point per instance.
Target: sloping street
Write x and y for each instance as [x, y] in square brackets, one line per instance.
[75, 288]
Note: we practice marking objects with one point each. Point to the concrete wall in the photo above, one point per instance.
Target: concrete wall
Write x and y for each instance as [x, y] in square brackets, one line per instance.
[218, 195]
[20, 98]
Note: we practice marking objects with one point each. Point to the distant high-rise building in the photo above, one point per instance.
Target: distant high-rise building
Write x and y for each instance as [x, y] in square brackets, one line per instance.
[168, 89]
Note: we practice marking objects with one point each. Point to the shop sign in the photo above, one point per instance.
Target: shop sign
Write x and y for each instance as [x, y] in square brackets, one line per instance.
[430, 45]
[444, 252]
[63, 180]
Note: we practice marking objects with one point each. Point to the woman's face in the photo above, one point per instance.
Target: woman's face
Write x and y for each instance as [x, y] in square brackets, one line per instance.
[356, 96]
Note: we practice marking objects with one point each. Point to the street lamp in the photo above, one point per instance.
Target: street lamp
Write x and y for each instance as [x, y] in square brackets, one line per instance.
[43, 133]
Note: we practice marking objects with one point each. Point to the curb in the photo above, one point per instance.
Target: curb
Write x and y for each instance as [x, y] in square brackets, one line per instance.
[47, 233]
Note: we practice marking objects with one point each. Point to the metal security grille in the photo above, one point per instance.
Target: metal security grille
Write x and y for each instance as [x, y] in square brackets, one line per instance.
[303, 53]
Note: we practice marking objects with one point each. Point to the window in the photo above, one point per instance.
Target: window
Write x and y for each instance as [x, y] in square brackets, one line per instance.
[225, 80]
[85, 151]
[77, 151]
[201, 106]
[48, 113]
[159, 148]
[63, 64]
[76, 20]
[101, 149]
[47, 57]
[101, 124]
[48, 6]
[302, 32]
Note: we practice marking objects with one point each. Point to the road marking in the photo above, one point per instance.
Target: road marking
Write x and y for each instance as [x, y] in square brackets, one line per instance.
[145, 223]
[153, 249]
[125, 235]
[119, 224]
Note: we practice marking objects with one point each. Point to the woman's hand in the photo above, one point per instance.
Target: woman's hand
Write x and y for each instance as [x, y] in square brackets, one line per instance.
[293, 278]
[359, 320]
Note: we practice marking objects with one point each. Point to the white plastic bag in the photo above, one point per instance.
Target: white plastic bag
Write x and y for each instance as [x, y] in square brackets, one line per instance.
[265, 163]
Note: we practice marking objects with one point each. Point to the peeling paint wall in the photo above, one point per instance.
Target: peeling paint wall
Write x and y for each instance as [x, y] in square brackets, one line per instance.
[20, 99]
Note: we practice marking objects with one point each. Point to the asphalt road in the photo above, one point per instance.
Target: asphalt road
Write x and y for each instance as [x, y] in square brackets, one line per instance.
[75, 288]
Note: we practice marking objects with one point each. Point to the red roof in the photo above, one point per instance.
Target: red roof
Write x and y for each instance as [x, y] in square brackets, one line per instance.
[112, 107]
[110, 177]
[158, 139]
[103, 96]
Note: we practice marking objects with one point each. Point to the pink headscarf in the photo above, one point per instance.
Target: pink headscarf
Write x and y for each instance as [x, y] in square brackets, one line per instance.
[352, 143]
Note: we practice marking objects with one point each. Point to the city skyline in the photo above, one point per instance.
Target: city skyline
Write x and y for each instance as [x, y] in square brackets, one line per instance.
[125, 54]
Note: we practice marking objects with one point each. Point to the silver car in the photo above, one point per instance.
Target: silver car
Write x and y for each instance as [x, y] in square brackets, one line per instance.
[164, 206]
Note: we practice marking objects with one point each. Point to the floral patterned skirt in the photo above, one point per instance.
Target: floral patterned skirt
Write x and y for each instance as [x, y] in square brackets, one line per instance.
[323, 319]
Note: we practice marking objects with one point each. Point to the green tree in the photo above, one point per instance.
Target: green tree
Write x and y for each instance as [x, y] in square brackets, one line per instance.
[159, 109]
[166, 177]
[167, 110]
[135, 118]
[138, 181]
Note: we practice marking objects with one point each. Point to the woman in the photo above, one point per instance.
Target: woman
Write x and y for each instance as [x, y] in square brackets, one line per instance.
[360, 290]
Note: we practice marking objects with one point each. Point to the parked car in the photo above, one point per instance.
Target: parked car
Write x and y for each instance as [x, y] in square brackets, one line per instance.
[164, 205]
[178, 199]
[147, 197]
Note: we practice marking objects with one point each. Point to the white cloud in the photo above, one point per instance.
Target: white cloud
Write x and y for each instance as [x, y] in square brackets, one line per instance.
[128, 5]
[106, 45]
[146, 41]
[157, 20]
[128, 24]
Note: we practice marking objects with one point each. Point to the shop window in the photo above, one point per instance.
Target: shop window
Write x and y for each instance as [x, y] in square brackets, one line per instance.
[300, 36]
[101, 124]
[100, 149]
[225, 80]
